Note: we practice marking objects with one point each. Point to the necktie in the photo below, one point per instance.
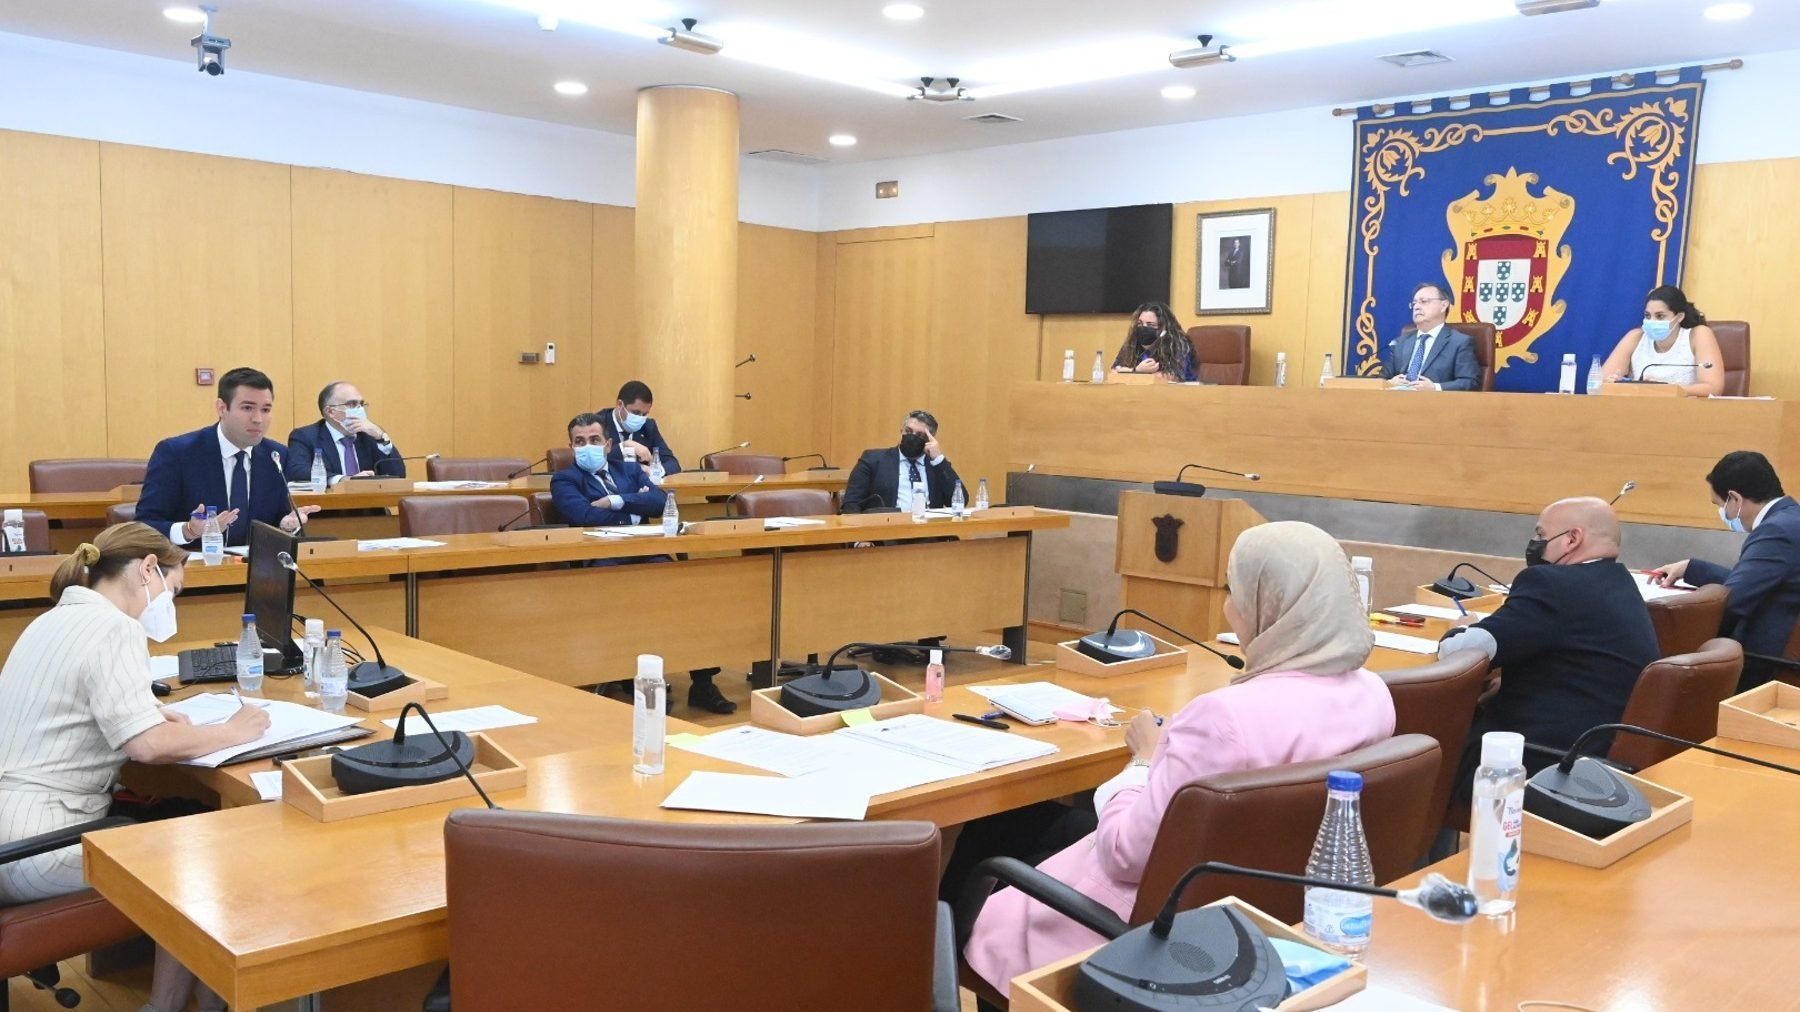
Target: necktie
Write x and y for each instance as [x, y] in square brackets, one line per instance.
[240, 498]
[913, 471]
[1418, 359]
[606, 482]
[351, 466]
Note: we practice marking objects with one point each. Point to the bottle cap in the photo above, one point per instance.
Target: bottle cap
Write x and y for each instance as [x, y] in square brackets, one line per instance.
[334, 634]
[1502, 749]
[249, 619]
[1344, 780]
[315, 625]
[15, 516]
[937, 657]
[1361, 562]
[650, 666]
[1281, 356]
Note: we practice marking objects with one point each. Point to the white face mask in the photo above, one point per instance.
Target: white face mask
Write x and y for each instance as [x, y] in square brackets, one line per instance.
[158, 616]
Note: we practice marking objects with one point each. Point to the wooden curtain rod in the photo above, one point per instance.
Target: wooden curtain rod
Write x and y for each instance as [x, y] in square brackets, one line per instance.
[1620, 78]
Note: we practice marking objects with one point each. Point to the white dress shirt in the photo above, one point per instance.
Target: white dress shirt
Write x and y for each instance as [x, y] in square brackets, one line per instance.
[903, 492]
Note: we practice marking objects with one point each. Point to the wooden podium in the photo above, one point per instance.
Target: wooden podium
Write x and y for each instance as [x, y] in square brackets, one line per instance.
[1188, 592]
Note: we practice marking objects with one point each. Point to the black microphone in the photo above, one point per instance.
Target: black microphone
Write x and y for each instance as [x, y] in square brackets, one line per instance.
[1589, 796]
[449, 750]
[707, 458]
[1627, 488]
[1462, 588]
[746, 361]
[881, 504]
[1188, 488]
[1667, 365]
[508, 526]
[1113, 646]
[732, 498]
[371, 678]
[299, 518]
[1451, 902]
[396, 460]
[545, 459]
[996, 651]
[823, 463]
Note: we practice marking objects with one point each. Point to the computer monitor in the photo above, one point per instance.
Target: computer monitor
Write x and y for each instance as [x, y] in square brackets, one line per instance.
[269, 592]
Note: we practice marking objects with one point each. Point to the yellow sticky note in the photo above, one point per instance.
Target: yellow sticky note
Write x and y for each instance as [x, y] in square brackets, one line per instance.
[854, 718]
[682, 739]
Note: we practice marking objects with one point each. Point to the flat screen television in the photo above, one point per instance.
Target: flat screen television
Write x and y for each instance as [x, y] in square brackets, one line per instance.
[1104, 260]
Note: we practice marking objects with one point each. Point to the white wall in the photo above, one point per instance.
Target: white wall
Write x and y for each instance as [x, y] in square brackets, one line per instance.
[83, 91]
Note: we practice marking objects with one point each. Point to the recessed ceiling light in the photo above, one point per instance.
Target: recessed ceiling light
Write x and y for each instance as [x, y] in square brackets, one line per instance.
[571, 88]
[1178, 91]
[903, 12]
[1728, 12]
[843, 140]
[185, 15]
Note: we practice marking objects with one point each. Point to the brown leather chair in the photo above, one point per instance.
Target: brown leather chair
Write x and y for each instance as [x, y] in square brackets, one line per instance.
[549, 892]
[120, 513]
[474, 468]
[1221, 353]
[1686, 621]
[543, 509]
[84, 474]
[37, 531]
[1680, 696]
[745, 463]
[1438, 699]
[35, 936]
[787, 502]
[422, 516]
[1266, 819]
[1734, 348]
[561, 458]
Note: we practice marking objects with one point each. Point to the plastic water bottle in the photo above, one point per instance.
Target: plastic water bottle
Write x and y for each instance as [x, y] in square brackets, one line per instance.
[212, 539]
[1363, 568]
[918, 502]
[959, 503]
[1068, 365]
[1280, 370]
[334, 678]
[649, 715]
[312, 651]
[1328, 371]
[1565, 382]
[1594, 378]
[671, 516]
[1099, 373]
[319, 478]
[1497, 822]
[1341, 920]
[249, 658]
[15, 531]
[981, 495]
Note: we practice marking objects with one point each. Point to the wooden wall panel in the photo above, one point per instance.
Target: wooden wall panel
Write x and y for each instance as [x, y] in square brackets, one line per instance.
[882, 353]
[524, 277]
[1741, 257]
[615, 355]
[822, 392]
[777, 302]
[372, 301]
[197, 253]
[51, 329]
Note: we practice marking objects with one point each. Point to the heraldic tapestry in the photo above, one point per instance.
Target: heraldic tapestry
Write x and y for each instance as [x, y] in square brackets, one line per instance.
[1548, 215]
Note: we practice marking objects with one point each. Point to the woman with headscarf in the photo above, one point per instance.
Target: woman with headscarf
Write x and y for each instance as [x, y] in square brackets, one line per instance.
[1303, 695]
[1157, 344]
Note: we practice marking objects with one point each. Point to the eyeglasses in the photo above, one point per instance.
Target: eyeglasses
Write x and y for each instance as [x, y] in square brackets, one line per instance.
[1416, 303]
[351, 404]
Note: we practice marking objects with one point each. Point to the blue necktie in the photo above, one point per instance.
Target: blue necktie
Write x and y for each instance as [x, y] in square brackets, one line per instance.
[1418, 359]
[240, 500]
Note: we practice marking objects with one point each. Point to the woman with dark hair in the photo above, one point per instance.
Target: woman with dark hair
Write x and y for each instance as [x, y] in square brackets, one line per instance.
[1157, 344]
[1673, 345]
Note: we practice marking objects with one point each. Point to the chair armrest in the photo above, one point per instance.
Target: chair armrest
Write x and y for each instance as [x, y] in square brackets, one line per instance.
[1058, 896]
[1780, 662]
[439, 998]
[945, 995]
[44, 843]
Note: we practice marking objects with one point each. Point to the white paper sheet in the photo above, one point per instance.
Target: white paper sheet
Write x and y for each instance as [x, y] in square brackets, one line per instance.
[970, 748]
[794, 797]
[639, 531]
[287, 721]
[1410, 644]
[475, 718]
[378, 544]
[1426, 611]
[268, 784]
[876, 770]
[166, 666]
[784, 523]
[1228, 637]
[451, 486]
[1033, 698]
[790, 755]
[1648, 589]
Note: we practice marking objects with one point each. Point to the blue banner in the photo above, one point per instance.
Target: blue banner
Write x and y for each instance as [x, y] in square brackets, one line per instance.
[1547, 212]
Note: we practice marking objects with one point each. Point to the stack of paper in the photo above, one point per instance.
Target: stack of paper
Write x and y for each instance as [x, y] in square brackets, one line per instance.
[784, 523]
[1409, 644]
[453, 486]
[475, 718]
[639, 531]
[378, 544]
[1038, 701]
[797, 798]
[1427, 611]
[1647, 587]
[790, 755]
[960, 745]
[287, 722]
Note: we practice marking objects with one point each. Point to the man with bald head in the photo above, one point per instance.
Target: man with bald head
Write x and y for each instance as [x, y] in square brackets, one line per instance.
[1570, 640]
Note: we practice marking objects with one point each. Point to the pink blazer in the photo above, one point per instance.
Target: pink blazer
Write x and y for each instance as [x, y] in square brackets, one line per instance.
[1273, 719]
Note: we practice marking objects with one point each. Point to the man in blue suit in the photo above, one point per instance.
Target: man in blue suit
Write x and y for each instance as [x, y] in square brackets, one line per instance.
[1765, 583]
[228, 466]
[1435, 356]
[631, 431]
[351, 444]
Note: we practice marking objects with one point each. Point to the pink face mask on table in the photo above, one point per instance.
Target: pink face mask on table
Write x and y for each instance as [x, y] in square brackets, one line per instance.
[1092, 711]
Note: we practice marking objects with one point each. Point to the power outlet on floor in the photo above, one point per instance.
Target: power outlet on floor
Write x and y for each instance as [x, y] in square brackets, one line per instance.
[1072, 607]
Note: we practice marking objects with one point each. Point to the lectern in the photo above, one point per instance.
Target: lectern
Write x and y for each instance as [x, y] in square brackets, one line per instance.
[1172, 551]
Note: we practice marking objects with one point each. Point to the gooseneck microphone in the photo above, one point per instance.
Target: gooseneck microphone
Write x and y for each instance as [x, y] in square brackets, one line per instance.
[820, 457]
[1114, 645]
[508, 526]
[1462, 588]
[396, 460]
[707, 458]
[881, 504]
[1195, 489]
[1447, 901]
[1667, 365]
[731, 499]
[446, 744]
[371, 678]
[1630, 485]
[521, 472]
[299, 518]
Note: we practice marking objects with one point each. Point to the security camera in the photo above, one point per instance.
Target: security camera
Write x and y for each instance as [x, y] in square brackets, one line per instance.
[209, 49]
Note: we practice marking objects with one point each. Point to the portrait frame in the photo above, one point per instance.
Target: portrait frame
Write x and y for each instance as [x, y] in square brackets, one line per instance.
[1234, 262]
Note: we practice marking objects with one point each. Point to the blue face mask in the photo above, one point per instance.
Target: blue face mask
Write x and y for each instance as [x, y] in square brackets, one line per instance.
[635, 423]
[590, 458]
[1736, 524]
[1656, 330]
[350, 413]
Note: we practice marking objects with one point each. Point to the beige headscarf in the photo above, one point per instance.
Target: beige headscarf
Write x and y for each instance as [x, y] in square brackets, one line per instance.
[1292, 585]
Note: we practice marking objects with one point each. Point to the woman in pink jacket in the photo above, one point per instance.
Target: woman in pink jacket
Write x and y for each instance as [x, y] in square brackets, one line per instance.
[1303, 695]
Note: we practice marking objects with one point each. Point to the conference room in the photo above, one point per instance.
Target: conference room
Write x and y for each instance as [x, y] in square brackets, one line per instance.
[503, 496]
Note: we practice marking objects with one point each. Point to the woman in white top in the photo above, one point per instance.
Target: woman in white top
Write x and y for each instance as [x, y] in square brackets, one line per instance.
[1674, 345]
[75, 703]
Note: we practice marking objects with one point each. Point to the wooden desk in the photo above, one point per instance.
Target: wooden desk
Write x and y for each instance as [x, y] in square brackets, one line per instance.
[1493, 451]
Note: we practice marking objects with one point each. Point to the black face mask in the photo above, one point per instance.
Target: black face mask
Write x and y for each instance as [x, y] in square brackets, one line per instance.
[1144, 334]
[912, 444]
[1534, 550]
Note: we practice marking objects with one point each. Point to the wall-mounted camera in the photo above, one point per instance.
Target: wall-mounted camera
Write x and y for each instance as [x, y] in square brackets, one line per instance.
[209, 49]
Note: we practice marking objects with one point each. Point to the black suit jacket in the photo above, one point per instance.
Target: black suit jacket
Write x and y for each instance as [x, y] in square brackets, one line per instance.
[1573, 640]
[649, 435]
[307, 440]
[1765, 588]
[877, 476]
[1451, 364]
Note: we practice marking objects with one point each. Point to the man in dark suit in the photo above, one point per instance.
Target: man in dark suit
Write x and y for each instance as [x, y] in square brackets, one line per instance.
[1434, 356]
[1570, 641]
[228, 466]
[630, 430]
[1765, 583]
[883, 477]
[351, 443]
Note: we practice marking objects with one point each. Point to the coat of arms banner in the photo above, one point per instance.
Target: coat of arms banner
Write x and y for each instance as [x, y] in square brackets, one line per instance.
[1546, 212]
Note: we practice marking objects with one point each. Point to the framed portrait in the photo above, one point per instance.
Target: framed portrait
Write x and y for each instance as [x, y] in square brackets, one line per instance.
[1236, 262]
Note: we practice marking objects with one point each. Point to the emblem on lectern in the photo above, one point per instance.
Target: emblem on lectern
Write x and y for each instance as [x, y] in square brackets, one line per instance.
[1168, 536]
